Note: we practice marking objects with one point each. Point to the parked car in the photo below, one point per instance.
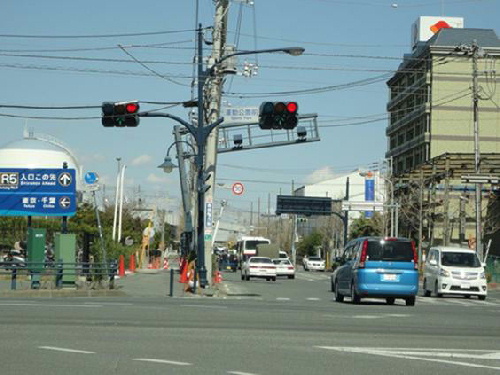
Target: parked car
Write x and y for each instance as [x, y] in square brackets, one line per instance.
[258, 267]
[284, 268]
[451, 270]
[376, 267]
[314, 264]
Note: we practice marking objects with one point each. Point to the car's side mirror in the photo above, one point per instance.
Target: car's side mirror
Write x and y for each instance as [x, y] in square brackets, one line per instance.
[433, 262]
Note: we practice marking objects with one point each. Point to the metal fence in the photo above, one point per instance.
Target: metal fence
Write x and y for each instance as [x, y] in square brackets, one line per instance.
[493, 269]
[57, 275]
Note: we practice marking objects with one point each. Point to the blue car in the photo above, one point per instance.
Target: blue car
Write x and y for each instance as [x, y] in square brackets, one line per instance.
[377, 267]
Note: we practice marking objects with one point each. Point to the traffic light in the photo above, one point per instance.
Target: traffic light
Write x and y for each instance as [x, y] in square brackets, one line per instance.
[278, 115]
[120, 114]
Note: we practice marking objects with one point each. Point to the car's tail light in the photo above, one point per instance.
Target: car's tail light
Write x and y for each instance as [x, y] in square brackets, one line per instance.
[269, 267]
[254, 266]
[290, 267]
[364, 252]
[415, 255]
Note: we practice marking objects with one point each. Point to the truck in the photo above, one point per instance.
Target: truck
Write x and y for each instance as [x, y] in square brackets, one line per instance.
[268, 250]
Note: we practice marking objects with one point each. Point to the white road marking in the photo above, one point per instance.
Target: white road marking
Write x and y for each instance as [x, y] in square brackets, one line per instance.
[417, 354]
[66, 350]
[109, 304]
[240, 373]
[207, 306]
[313, 299]
[282, 299]
[163, 361]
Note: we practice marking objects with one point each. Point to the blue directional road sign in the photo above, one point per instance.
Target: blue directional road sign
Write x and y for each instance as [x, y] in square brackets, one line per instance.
[37, 192]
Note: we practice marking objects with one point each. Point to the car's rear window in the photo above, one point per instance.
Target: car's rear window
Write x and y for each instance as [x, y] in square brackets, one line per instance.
[458, 259]
[396, 251]
[315, 259]
[261, 260]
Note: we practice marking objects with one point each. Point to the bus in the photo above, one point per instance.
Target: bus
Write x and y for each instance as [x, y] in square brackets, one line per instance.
[246, 247]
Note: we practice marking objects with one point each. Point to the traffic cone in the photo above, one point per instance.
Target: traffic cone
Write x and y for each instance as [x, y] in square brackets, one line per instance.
[121, 266]
[184, 275]
[131, 264]
[165, 263]
[218, 277]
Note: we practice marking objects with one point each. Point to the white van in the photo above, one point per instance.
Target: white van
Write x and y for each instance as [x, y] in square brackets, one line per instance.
[451, 270]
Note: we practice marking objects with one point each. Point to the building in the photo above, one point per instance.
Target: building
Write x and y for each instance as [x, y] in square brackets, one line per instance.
[444, 95]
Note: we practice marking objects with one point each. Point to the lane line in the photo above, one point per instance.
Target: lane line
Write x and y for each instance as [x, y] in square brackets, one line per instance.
[282, 299]
[313, 299]
[241, 373]
[165, 361]
[66, 350]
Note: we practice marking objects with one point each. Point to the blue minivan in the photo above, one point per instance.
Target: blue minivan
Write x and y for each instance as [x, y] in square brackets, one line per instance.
[377, 267]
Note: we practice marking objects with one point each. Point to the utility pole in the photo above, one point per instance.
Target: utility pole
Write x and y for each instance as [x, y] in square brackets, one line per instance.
[212, 111]
[477, 155]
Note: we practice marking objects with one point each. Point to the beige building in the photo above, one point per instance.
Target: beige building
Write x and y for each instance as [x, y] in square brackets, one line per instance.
[431, 133]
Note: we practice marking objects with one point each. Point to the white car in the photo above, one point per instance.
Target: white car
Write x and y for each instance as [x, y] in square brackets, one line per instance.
[284, 268]
[314, 264]
[450, 270]
[258, 267]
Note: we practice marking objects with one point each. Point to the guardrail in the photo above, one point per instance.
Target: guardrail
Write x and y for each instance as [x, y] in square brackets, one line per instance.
[55, 275]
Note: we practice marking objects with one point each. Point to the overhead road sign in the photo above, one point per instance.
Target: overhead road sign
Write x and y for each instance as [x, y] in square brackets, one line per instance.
[37, 192]
[293, 204]
[362, 206]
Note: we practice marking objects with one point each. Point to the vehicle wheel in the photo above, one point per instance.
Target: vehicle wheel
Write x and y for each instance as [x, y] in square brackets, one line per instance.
[390, 300]
[274, 278]
[427, 293]
[354, 296]
[291, 276]
[242, 276]
[439, 295]
[482, 298]
[410, 301]
[467, 296]
[338, 297]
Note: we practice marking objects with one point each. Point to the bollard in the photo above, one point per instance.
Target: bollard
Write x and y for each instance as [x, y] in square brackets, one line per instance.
[59, 275]
[112, 273]
[121, 266]
[171, 294]
[13, 278]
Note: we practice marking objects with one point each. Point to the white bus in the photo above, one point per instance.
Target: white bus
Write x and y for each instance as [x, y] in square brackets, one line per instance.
[246, 246]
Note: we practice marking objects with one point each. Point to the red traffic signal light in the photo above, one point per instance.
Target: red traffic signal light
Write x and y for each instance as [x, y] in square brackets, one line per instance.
[278, 115]
[120, 114]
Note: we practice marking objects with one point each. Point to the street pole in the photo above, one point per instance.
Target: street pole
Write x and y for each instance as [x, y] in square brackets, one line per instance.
[477, 155]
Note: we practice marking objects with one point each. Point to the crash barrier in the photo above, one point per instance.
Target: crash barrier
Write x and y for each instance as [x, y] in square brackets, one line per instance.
[56, 275]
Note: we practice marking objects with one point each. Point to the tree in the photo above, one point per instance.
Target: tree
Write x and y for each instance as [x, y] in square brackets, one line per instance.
[308, 246]
[364, 226]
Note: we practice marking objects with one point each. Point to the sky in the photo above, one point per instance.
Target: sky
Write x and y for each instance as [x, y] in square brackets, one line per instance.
[66, 54]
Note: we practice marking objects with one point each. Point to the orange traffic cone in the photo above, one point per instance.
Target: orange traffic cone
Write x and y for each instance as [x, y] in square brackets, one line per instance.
[121, 266]
[165, 263]
[218, 277]
[184, 274]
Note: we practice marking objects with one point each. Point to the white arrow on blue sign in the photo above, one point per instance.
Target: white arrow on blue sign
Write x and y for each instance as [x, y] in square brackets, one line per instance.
[91, 178]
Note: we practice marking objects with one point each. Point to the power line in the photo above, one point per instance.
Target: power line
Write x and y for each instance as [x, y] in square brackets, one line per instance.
[21, 36]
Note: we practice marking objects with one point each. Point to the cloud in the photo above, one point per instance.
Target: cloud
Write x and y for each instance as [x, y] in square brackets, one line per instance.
[323, 174]
[157, 179]
[141, 160]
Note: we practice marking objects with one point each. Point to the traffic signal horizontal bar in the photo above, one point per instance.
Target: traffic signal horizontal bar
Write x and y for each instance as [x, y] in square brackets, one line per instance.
[267, 145]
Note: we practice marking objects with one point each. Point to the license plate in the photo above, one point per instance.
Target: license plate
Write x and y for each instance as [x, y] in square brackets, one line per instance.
[389, 277]
[465, 286]
[228, 267]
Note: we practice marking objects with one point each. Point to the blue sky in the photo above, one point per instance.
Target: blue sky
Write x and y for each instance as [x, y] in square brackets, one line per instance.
[71, 58]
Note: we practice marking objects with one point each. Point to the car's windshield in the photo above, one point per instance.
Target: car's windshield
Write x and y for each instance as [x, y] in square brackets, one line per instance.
[458, 259]
[396, 251]
[315, 258]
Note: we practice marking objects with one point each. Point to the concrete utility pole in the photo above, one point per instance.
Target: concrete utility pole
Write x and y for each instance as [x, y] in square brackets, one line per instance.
[212, 111]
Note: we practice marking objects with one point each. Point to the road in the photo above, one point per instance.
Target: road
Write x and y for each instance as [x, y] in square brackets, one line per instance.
[261, 327]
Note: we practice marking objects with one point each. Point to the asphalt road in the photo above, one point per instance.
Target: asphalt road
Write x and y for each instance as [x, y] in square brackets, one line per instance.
[260, 327]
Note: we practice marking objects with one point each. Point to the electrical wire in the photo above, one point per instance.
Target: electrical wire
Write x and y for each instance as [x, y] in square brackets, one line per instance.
[21, 36]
